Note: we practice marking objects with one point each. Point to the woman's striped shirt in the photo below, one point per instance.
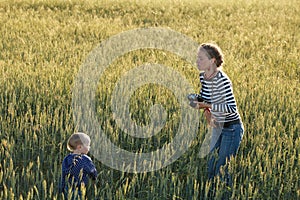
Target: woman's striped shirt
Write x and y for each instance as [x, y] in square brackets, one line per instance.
[218, 92]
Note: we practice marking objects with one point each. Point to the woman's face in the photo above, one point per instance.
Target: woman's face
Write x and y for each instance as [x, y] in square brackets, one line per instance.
[203, 62]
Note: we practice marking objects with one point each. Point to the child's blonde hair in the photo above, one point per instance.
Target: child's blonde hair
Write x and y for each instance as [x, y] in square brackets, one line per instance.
[77, 139]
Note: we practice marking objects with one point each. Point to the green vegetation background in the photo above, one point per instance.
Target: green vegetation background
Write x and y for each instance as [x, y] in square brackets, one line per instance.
[43, 44]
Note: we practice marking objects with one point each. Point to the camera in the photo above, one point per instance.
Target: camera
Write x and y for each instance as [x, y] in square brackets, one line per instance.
[194, 97]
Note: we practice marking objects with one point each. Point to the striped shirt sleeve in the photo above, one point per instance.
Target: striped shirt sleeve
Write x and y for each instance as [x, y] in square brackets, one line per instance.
[219, 93]
[228, 105]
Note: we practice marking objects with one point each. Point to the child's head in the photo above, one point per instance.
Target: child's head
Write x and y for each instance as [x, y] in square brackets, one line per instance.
[79, 142]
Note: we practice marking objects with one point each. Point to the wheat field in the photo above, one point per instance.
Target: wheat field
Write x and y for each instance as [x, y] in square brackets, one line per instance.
[43, 44]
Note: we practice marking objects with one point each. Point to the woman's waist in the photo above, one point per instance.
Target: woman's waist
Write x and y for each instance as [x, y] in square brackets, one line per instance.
[227, 123]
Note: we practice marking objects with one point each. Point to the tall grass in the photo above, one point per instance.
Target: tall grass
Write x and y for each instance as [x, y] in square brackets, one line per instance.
[43, 44]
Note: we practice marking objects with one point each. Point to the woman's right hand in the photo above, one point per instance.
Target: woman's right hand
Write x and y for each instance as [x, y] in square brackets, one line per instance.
[209, 118]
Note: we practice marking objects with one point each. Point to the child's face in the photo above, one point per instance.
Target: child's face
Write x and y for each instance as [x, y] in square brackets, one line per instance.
[83, 148]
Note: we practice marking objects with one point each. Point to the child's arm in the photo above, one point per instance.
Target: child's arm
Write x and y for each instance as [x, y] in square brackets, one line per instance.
[94, 174]
[91, 169]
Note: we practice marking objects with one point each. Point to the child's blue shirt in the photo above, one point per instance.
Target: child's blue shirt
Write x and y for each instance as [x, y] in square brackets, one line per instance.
[72, 165]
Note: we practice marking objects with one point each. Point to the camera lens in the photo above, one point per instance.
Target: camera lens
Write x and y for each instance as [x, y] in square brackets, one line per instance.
[194, 97]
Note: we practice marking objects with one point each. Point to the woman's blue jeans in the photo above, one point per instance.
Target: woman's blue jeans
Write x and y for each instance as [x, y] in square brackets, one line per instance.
[225, 143]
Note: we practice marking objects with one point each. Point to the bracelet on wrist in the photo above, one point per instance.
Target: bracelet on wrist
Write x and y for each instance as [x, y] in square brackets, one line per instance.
[206, 109]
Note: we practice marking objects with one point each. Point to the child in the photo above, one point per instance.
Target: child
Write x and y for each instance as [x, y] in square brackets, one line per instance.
[77, 167]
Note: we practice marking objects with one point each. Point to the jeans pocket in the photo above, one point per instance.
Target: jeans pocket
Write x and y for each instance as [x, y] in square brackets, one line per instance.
[228, 131]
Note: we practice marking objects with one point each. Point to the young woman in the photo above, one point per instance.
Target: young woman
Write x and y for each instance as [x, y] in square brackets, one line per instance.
[220, 108]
